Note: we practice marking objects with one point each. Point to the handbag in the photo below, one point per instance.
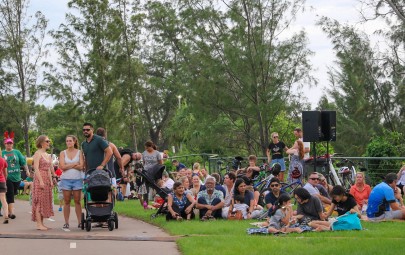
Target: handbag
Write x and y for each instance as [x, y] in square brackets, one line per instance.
[348, 221]
[237, 215]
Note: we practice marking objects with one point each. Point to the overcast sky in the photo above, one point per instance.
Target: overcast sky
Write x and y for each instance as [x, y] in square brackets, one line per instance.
[345, 11]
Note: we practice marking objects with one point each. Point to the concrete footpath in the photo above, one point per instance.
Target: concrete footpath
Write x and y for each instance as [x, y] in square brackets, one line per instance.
[132, 236]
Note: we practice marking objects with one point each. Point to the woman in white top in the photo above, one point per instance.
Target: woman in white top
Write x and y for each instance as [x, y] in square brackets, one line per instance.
[71, 163]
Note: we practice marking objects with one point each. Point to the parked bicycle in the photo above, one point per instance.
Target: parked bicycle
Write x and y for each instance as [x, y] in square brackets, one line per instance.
[291, 187]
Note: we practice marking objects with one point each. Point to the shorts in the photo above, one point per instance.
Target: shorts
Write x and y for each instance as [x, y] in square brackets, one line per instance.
[71, 184]
[280, 161]
[389, 215]
[3, 187]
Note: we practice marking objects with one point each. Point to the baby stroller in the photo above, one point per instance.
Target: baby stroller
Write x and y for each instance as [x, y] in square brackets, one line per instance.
[99, 200]
[150, 178]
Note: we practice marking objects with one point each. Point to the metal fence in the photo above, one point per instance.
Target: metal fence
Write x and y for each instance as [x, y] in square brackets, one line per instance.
[375, 168]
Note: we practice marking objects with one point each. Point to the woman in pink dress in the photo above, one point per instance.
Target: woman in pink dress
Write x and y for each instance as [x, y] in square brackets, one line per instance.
[42, 204]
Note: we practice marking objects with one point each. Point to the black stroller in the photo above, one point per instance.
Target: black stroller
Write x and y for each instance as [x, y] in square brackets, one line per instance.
[99, 200]
[150, 178]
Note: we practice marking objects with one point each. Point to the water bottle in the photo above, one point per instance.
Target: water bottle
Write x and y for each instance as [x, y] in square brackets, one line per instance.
[364, 209]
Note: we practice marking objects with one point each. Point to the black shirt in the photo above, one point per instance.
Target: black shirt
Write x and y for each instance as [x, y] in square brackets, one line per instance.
[344, 207]
[276, 150]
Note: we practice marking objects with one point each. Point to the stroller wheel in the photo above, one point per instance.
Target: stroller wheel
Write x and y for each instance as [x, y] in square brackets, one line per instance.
[88, 225]
[82, 222]
[116, 220]
[110, 224]
[153, 216]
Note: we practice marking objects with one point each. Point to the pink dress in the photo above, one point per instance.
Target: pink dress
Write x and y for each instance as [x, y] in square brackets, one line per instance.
[42, 198]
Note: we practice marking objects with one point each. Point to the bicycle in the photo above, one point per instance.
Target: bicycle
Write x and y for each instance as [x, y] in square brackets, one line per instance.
[348, 172]
[291, 187]
[262, 183]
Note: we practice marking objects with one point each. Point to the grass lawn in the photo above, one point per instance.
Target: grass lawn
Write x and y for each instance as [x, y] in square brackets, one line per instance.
[230, 237]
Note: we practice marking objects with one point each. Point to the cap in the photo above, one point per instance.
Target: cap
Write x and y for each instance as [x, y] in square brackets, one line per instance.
[8, 140]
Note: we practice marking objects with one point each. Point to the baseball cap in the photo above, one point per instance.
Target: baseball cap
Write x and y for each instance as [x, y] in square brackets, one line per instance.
[8, 140]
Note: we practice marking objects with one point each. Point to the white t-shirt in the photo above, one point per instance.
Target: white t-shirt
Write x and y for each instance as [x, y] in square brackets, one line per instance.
[311, 189]
[168, 183]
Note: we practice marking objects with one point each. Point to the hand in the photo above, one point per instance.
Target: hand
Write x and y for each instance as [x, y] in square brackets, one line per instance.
[249, 215]
[174, 215]
[41, 185]
[188, 209]
[208, 213]
[100, 168]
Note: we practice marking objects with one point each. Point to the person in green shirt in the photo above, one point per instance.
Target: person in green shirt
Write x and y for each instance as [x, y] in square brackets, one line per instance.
[15, 160]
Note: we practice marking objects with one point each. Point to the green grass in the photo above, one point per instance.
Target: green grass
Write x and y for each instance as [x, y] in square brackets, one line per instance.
[229, 237]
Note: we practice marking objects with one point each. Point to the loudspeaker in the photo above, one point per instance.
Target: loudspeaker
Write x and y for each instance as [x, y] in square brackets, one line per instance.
[328, 119]
[312, 126]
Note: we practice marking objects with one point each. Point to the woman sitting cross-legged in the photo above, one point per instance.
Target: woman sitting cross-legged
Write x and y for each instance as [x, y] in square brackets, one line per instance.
[179, 204]
[342, 202]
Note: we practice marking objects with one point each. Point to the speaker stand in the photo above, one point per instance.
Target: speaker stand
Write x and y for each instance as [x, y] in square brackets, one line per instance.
[314, 156]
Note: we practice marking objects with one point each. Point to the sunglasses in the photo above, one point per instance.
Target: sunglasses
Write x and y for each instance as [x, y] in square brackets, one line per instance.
[86, 129]
[275, 136]
[314, 179]
[274, 185]
[47, 141]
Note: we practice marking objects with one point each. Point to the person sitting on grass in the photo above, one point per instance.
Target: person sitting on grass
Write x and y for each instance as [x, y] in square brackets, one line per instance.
[240, 188]
[210, 201]
[240, 206]
[311, 187]
[342, 202]
[271, 198]
[27, 185]
[360, 191]
[309, 207]
[382, 204]
[179, 204]
[282, 216]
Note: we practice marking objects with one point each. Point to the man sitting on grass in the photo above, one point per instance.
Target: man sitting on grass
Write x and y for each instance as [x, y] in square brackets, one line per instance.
[210, 201]
[382, 204]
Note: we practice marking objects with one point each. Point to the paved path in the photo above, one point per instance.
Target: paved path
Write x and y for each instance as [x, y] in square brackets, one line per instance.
[132, 235]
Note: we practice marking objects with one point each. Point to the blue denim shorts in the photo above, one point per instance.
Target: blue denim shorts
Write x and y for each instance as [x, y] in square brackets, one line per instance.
[279, 161]
[71, 184]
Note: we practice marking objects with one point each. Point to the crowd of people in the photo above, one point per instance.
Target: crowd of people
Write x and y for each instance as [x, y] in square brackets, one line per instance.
[194, 192]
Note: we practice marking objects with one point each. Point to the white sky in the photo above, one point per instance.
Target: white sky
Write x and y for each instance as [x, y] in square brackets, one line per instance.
[345, 11]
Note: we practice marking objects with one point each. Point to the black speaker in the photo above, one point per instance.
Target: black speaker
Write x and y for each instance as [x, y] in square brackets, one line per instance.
[311, 126]
[328, 119]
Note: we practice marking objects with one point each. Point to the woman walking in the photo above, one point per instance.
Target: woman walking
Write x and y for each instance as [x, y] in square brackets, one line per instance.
[42, 204]
[15, 160]
[71, 183]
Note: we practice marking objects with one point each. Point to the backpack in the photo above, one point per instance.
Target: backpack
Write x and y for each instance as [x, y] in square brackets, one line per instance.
[348, 221]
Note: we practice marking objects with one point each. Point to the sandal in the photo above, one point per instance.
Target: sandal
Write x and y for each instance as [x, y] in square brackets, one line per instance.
[5, 221]
[12, 216]
[204, 218]
[66, 226]
[80, 225]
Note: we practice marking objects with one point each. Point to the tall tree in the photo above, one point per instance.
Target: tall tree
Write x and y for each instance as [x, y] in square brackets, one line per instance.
[240, 62]
[22, 43]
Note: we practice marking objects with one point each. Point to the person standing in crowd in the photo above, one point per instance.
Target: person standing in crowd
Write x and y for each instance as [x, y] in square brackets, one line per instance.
[275, 150]
[96, 150]
[110, 164]
[360, 191]
[15, 160]
[297, 153]
[71, 181]
[3, 188]
[42, 203]
[307, 145]
[150, 158]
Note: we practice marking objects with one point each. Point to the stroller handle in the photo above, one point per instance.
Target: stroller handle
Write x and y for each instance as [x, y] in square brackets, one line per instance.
[89, 171]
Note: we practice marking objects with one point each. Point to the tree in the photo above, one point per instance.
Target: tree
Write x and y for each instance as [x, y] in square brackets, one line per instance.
[238, 66]
[22, 47]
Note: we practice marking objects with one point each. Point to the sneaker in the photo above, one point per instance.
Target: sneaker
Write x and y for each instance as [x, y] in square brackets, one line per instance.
[66, 226]
[12, 216]
[60, 209]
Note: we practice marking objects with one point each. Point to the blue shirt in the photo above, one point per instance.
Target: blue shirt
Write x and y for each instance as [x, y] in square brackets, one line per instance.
[379, 200]
[180, 166]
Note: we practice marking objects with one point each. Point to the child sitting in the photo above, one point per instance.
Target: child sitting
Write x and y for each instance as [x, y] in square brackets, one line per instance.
[240, 206]
[282, 216]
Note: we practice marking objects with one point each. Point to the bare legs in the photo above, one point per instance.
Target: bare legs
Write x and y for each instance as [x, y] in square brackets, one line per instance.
[40, 220]
[5, 206]
[67, 196]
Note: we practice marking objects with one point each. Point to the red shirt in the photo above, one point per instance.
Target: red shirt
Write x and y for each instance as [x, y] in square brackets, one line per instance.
[3, 165]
